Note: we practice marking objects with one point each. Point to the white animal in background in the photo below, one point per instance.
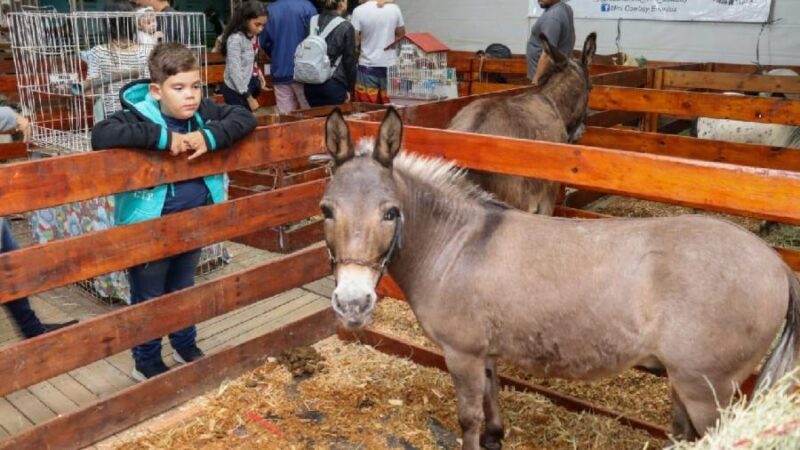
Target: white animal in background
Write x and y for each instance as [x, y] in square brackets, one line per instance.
[774, 135]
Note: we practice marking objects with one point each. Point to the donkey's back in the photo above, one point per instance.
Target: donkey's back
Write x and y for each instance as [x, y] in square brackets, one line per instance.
[526, 116]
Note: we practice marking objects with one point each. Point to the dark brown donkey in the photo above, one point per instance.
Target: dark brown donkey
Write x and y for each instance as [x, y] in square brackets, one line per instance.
[567, 298]
[555, 112]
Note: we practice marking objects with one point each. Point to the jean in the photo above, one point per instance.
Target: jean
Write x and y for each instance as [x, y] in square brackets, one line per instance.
[154, 280]
[20, 309]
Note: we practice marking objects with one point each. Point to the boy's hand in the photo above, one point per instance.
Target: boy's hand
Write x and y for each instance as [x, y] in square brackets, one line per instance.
[195, 141]
[178, 145]
[252, 103]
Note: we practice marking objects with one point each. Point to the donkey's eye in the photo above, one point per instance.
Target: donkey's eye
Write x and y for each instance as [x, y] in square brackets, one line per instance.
[392, 213]
[327, 212]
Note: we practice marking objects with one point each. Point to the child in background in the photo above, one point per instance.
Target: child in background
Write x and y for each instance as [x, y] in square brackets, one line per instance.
[168, 113]
[243, 78]
[147, 33]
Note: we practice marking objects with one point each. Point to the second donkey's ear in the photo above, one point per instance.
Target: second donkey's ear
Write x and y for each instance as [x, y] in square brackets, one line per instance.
[558, 58]
[390, 138]
[337, 138]
[589, 48]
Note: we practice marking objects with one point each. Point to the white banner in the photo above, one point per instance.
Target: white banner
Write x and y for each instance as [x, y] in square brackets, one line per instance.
[676, 10]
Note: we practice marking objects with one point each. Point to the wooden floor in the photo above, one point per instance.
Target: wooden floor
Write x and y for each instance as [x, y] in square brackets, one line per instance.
[67, 392]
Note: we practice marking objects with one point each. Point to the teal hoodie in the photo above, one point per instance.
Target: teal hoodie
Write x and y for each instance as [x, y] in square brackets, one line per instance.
[141, 125]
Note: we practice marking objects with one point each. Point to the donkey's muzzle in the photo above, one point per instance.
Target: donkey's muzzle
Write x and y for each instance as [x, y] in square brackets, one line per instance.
[355, 313]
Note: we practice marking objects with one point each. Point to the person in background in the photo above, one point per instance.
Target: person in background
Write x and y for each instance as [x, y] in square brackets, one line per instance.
[21, 311]
[147, 27]
[287, 26]
[557, 24]
[243, 79]
[342, 53]
[376, 27]
[168, 113]
[118, 61]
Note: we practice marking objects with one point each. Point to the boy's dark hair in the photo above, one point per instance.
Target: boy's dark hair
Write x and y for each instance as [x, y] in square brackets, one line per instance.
[169, 59]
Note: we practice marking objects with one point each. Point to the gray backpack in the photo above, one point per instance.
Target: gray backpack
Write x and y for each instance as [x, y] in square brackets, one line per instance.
[311, 62]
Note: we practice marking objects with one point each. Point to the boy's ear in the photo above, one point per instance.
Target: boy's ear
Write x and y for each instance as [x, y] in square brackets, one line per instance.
[155, 91]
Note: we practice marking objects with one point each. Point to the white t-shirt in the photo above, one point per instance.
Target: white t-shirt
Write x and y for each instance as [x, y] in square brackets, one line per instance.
[377, 26]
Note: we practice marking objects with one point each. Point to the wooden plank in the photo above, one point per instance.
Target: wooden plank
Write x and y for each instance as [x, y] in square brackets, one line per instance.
[57, 401]
[695, 104]
[8, 83]
[631, 78]
[13, 150]
[79, 258]
[650, 122]
[38, 359]
[144, 400]
[756, 192]
[693, 148]
[681, 79]
[21, 187]
[11, 419]
[748, 68]
[30, 406]
[612, 118]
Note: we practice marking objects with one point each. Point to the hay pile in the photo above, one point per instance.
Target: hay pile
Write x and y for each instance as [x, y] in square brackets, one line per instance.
[771, 421]
[635, 393]
[362, 398]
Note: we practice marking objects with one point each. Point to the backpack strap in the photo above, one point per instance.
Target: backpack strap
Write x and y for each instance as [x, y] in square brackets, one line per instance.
[312, 28]
[335, 22]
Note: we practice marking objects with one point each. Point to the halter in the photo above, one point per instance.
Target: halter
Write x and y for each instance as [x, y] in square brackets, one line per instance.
[383, 260]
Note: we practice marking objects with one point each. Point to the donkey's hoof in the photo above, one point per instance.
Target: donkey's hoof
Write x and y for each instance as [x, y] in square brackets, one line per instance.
[491, 442]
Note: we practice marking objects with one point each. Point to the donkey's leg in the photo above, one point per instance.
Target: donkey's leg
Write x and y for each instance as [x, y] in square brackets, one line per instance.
[682, 427]
[493, 435]
[469, 379]
[701, 396]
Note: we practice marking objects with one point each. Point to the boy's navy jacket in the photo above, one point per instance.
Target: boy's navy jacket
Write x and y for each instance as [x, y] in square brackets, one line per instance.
[141, 125]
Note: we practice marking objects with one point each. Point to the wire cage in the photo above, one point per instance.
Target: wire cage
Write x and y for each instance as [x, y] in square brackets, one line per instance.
[420, 75]
[71, 66]
[70, 70]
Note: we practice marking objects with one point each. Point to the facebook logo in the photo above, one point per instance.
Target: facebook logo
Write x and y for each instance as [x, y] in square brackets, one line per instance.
[605, 7]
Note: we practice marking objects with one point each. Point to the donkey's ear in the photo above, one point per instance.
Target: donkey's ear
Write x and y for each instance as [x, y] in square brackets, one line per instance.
[558, 58]
[390, 138]
[337, 138]
[589, 48]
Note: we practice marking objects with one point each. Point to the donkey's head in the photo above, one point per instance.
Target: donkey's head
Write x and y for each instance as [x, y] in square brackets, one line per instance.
[363, 220]
[568, 82]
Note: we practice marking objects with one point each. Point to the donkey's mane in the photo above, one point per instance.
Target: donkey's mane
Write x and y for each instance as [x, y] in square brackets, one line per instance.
[436, 174]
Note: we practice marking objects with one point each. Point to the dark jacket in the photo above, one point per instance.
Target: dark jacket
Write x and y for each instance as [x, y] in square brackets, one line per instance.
[141, 125]
[341, 42]
[286, 27]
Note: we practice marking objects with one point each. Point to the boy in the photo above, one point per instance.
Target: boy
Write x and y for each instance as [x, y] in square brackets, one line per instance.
[168, 112]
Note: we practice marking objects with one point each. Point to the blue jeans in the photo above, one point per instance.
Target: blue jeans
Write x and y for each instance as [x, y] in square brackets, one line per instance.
[154, 280]
[20, 309]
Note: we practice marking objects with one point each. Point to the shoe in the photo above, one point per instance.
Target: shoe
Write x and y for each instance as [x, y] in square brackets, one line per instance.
[143, 371]
[187, 355]
[48, 327]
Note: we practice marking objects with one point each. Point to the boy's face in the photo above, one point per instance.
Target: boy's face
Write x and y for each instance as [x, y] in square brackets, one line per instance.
[179, 94]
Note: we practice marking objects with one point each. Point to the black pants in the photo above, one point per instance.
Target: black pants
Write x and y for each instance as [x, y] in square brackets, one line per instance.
[20, 310]
[329, 93]
[234, 98]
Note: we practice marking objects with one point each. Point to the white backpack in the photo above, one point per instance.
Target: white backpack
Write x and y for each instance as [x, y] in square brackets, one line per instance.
[311, 62]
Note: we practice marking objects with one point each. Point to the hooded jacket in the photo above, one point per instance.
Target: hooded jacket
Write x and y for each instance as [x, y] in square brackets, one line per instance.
[141, 125]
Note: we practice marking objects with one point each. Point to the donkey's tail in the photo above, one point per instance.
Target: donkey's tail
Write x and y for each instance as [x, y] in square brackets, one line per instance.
[786, 354]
